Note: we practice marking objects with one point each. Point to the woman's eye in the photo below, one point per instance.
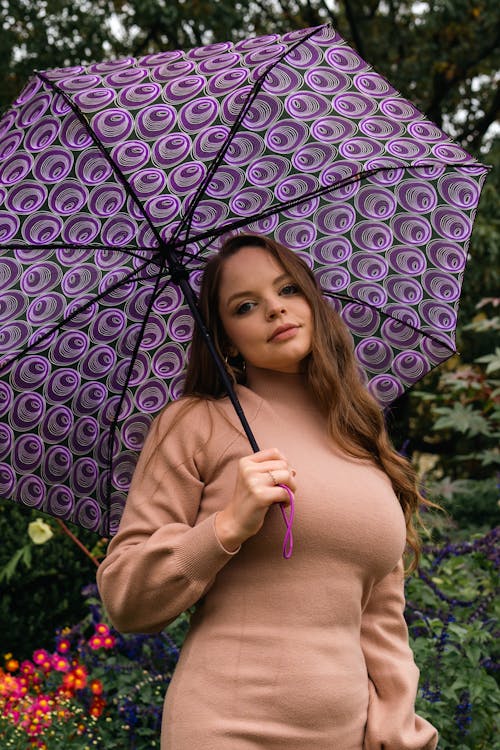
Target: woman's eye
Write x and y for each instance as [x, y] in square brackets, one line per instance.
[244, 308]
[290, 289]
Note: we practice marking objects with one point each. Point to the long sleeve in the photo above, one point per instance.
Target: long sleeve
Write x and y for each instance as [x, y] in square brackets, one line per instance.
[393, 675]
[166, 553]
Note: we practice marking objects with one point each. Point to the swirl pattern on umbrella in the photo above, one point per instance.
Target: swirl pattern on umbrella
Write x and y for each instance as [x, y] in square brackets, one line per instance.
[295, 137]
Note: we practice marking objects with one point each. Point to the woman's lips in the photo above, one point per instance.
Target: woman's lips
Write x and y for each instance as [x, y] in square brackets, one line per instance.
[284, 333]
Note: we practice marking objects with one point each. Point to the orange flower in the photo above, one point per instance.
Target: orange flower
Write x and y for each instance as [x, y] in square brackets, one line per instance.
[76, 679]
[96, 687]
[97, 706]
[12, 665]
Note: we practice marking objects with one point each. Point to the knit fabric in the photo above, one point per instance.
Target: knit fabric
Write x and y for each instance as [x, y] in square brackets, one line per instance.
[310, 652]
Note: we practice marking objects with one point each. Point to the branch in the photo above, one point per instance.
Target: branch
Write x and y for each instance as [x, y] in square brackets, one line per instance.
[474, 135]
[329, 13]
[442, 85]
[77, 542]
[358, 42]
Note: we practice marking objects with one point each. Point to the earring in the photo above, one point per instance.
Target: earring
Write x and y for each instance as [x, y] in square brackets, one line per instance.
[237, 368]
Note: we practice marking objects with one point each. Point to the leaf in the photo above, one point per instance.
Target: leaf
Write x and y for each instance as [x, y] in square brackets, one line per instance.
[492, 361]
[462, 419]
[21, 555]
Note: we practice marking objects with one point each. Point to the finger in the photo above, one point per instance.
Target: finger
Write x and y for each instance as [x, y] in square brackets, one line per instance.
[281, 476]
[269, 454]
[252, 470]
[280, 495]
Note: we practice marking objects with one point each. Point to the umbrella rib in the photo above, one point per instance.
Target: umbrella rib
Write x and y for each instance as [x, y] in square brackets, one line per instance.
[60, 325]
[73, 246]
[274, 209]
[185, 224]
[271, 210]
[431, 336]
[116, 170]
[133, 358]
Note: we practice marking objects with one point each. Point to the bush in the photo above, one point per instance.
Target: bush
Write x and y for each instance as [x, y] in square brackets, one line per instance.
[453, 617]
[97, 688]
[42, 597]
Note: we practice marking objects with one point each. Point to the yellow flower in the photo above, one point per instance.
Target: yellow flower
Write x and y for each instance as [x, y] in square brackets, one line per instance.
[39, 531]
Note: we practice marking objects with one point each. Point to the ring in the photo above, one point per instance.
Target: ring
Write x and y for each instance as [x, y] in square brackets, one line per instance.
[273, 478]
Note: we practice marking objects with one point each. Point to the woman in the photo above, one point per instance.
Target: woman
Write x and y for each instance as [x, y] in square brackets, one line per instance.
[306, 653]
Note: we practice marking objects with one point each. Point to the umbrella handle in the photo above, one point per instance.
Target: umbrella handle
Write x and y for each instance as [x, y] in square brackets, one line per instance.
[288, 519]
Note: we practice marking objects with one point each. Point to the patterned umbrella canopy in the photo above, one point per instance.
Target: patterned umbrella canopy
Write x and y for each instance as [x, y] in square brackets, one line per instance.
[115, 176]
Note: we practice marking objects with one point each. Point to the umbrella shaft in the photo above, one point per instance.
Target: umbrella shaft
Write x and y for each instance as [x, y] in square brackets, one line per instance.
[190, 299]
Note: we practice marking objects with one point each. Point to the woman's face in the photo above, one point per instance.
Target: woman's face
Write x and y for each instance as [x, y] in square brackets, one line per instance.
[266, 317]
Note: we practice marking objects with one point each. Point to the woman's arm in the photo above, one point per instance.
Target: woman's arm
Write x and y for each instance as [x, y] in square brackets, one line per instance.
[392, 723]
[167, 553]
[161, 561]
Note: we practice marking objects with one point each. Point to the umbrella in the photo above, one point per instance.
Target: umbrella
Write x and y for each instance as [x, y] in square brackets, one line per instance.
[119, 179]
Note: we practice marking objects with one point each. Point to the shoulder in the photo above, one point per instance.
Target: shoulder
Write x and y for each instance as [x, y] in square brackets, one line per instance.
[223, 409]
[196, 420]
[187, 415]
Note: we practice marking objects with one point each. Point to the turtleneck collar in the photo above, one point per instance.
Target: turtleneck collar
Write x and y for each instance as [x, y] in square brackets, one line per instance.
[284, 388]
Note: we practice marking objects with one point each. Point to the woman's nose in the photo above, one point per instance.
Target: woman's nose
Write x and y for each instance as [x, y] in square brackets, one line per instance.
[275, 307]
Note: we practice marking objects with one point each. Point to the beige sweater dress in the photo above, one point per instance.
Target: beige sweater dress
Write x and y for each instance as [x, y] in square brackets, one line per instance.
[309, 653]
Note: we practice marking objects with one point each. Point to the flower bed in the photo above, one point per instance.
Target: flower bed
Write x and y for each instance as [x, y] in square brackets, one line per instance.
[99, 689]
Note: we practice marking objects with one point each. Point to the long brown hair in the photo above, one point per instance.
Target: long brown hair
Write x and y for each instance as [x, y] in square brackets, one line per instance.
[355, 419]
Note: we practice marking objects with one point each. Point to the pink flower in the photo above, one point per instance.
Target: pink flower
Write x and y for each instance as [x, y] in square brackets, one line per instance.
[96, 642]
[63, 646]
[60, 663]
[27, 667]
[41, 657]
[43, 704]
[109, 641]
[102, 629]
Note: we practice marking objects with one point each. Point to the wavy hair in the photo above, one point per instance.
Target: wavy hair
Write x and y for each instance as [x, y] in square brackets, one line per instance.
[355, 419]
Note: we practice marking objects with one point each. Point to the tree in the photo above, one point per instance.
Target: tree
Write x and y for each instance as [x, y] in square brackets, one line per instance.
[443, 55]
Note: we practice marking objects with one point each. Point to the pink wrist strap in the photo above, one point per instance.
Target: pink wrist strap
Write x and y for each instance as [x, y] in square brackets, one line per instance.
[288, 519]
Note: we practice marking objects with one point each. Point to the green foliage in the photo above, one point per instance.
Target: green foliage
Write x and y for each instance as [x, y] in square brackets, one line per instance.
[453, 613]
[44, 592]
[458, 419]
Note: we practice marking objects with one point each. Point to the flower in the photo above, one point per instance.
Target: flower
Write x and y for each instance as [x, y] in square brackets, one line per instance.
[27, 667]
[39, 531]
[76, 679]
[97, 706]
[96, 642]
[109, 641]
[41, 657]
[63, 645]
[11, 665]
[96, 687]
[60, 663]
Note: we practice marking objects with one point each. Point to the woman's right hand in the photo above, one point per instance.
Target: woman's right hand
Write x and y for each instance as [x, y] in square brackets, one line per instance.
[255, 491]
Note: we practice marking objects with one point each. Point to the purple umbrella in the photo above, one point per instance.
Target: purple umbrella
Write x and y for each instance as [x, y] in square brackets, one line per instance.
[118, 181]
